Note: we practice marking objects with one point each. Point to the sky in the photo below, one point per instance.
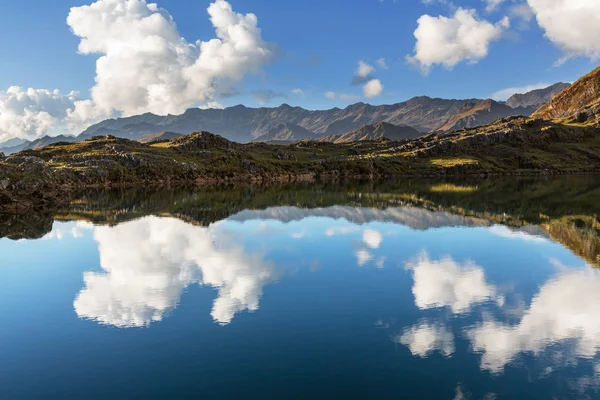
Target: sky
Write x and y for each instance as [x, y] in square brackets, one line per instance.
[67, 64]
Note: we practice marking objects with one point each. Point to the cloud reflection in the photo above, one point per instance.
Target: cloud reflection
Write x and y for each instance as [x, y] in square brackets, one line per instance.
[564, 310]
[149, 262]
[425, 338]
[446, 283]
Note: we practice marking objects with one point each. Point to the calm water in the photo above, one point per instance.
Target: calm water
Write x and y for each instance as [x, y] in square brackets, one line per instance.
[484, 290]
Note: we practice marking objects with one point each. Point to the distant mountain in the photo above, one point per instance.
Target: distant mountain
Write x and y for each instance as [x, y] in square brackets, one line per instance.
[378, 131]
[536, 98]
[581, 97]
[481, 112]
[159, 136]
[286, 133]
[13, 142]
[285, 124]
[7, 150]
[243, 124]
[46, 140]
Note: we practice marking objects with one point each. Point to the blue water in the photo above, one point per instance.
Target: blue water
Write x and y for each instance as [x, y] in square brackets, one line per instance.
[285, 302]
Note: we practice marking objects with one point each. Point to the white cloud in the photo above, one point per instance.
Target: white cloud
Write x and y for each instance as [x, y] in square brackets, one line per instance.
[572, 25]
[381, 63]
[149, 262]
[449, 41]
[564, 310]
[364, 70]
[502, 95]
[373, 88]
[330, 95]
[522, 12]
[492, 5]
[446, 283]
[31, 113]
[425, 338]
[146, 66]
[298, 92]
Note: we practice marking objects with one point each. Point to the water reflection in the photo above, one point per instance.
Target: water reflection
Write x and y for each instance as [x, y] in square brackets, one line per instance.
[149, 262]
[563, 313]
[441, 283]
[425, 337]
[490, 290]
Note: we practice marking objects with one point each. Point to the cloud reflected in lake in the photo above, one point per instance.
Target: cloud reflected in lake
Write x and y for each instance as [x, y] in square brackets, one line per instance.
[149, 262]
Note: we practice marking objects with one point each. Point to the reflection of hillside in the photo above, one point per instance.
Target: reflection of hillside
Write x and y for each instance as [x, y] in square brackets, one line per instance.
[565, 208]
[580, 234]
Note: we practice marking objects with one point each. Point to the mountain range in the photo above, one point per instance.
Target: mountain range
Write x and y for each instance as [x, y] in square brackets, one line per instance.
[285, 124]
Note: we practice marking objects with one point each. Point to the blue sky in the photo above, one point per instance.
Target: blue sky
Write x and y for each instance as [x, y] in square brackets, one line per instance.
[315, 46]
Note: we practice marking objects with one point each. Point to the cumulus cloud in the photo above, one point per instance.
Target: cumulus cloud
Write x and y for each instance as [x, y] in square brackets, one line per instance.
[572, 25]
[492, 5]
[31, 113]
[446, 283]
[149, 262]
[426, 338]
[522, 13]
[564, 310]
[373, 88]
[381, 63]
[298, 92]
[449, 41]
[144, 65]
[363, 73]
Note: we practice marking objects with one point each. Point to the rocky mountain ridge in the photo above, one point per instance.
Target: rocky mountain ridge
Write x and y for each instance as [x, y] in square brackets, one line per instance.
[536, 98]
[580, 102]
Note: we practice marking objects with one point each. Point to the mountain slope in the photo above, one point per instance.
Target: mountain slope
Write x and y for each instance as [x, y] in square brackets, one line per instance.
[286, 132]
[582, 96]
[159, 137]
[378, 131]
[536, 98]
[481, 112]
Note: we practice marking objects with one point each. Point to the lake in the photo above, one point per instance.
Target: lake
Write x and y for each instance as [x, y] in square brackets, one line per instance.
[445, 290]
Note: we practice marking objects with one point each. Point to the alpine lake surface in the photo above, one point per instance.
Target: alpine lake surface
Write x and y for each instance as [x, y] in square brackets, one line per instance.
[483, 289]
